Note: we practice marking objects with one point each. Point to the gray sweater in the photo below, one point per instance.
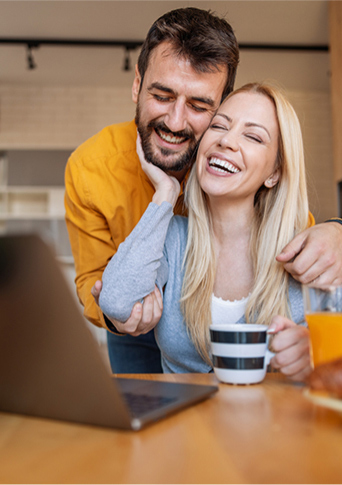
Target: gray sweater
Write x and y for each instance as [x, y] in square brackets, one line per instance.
[153, 254]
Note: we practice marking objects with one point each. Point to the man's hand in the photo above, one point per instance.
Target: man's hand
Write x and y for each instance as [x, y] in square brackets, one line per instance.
[167, 187]
[315, 255]
[291, 343]
[144, 317]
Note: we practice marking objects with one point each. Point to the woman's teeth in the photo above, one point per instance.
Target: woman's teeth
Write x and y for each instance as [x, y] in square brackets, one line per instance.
[222, 166]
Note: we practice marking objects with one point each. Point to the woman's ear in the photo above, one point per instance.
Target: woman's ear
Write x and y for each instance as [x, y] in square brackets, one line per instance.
[136, 85]
[272, 179]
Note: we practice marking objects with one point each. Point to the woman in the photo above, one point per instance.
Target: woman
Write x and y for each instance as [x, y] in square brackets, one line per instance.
[246, 198]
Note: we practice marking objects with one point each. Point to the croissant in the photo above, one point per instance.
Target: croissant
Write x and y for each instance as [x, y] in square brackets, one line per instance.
[328, 377]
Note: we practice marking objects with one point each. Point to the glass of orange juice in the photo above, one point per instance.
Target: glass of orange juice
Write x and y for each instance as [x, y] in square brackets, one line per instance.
[323, 314]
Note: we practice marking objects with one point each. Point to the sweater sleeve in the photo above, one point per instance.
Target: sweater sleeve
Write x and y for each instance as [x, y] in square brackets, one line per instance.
[296, 302]
[138, 265]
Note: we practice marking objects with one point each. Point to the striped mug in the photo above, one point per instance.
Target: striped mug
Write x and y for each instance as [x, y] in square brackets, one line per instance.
[240, 352]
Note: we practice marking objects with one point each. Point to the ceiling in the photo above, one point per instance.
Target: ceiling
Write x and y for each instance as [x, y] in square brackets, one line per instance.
[288, 22]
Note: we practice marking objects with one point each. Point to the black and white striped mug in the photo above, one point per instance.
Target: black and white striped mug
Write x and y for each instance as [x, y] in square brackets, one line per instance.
[240, 352]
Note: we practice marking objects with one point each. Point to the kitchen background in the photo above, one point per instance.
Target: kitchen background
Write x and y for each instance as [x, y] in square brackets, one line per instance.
[74, 91]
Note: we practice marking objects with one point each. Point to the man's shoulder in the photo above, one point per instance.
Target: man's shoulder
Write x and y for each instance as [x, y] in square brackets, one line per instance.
[112, 141]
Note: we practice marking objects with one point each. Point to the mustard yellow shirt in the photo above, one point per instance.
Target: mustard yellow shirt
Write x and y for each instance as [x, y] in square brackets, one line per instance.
[106, 193]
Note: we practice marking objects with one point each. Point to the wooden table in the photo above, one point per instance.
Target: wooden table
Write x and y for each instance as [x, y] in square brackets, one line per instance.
[265, 433]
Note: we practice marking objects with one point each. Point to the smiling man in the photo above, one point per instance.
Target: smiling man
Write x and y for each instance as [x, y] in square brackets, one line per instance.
[174, 110]
[187, 65]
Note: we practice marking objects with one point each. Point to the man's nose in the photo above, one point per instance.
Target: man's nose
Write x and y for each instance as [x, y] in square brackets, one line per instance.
[176, 118]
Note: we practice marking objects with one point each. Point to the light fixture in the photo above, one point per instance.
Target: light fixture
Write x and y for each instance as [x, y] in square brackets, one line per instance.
[127, 60]
[29, 56]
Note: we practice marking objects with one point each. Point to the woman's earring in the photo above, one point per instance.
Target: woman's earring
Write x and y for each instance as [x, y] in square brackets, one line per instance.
[272, 180]
[268, 183]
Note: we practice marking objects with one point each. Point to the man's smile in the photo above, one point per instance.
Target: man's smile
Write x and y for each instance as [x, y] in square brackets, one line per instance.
[173, 138]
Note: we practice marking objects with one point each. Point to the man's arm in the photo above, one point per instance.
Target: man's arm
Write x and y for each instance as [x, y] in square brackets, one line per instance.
[315, 255]
[91, 243]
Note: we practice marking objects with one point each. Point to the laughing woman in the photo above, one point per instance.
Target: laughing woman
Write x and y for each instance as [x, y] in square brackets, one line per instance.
[246, 198]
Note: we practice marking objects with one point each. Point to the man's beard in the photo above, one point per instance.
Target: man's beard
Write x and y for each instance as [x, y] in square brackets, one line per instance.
[182, 162]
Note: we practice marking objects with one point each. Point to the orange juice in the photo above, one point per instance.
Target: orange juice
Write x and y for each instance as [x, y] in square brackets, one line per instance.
[325, 335]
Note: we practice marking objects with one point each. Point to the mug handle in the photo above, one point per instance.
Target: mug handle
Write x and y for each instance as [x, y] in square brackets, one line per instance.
[268, 357]
[269, 354]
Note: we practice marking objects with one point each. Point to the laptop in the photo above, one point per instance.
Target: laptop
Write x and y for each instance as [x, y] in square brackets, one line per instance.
[50, 364]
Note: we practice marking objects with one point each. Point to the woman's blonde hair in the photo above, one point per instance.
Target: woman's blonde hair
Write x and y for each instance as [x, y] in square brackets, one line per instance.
[280, 213]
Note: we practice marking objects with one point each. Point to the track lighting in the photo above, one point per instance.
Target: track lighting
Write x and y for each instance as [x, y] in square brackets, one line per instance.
[127, 61]
[29, 56]
[128, 45]
[34, 43]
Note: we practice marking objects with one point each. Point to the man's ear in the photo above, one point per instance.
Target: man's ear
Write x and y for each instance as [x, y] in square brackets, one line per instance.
[272, 179]
[136, 85]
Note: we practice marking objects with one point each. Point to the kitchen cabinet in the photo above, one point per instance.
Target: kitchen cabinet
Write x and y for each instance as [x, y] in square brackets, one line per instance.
[32, 197]
[32, 201]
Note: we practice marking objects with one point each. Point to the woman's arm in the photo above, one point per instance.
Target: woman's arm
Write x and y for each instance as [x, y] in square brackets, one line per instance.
[139, 264]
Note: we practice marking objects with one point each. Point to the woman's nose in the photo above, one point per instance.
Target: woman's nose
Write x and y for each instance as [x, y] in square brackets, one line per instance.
[229, 140]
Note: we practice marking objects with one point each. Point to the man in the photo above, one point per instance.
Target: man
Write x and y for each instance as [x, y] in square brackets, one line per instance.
[186, 66]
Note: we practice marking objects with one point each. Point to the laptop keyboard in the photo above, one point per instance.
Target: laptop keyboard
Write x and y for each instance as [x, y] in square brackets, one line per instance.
[140, 404]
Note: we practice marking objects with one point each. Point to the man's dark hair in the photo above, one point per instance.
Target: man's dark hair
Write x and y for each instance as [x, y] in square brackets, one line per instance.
[199, 36]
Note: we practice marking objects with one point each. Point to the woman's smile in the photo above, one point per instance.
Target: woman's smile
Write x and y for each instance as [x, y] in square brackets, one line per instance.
[222, 166]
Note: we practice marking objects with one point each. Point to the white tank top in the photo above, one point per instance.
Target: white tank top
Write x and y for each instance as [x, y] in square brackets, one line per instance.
[225, 311]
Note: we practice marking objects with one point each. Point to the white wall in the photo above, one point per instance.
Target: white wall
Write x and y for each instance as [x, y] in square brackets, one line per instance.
[58, 117]
[314, 111]
[46, 117]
